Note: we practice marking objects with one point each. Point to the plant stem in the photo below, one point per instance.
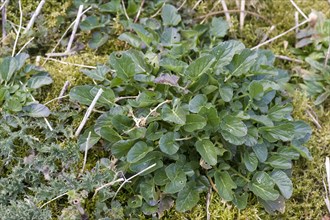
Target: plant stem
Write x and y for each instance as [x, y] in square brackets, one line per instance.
[240, 175]
[34, 16]
[75, 28]
[20, 26]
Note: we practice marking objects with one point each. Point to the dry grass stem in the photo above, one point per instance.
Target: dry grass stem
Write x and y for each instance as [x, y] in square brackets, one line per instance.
[86, 150]
[57, 98]
[280, 35]
[124, 7]
[327, 56]
[288, 59]
[34, 16]
[24, 46]
[227, 14]
[63, 90]
[196, 4]
[19, 28]
[298, 9]
[68, 63]
[314, 120]
[208, 201]
[242, 15]
[75, 28]
[139, 12]
[3, 4]
[88, 112]
[266, 35]
[57, 197]
[3, 18]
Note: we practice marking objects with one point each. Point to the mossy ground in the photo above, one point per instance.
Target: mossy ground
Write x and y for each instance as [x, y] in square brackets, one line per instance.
[307, 201]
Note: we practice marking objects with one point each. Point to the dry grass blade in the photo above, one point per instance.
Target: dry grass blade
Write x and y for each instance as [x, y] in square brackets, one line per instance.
[139, 12]
[266, 35]
[298, 9]
[75, 27]
[20, 26]
[34, 16]
[197, 3]
[67, 63]
[314, 120]
[3, 18]
[227, 15]
[27, 43]
[4, 4]
[327, 56]
[86, 151]
[280, 35]
[88, 112]
[242, 15]
[289, 59]
[63, 90]
[327, 188]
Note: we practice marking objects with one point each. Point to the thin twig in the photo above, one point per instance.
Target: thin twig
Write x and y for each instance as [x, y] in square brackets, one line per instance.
[57, 197]
[139, 12]
[298, 9]
[4, 19]
[280, 35]
[69, 53]
[27, 43]
[86, 150]
[327, 56]
[124, 97]
[88, 112]
[155, 109]
[4, 3]
[66, 31]
[266, 35]
[288, 58]
[208, 201]
[234, 11]
[20, 26]
[75, 28]
[158, 11]
[242, 15]
[68, 63]
[57, 98]
[124, 7]
[108, 184]
[46, 120]
[183, 3]
[314, 119]
[197, 3]
[34, 16]
[63, 90]
[227, 14]
[127, 180]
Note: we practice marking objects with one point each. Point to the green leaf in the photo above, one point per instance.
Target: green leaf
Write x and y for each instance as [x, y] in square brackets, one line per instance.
[167, 143]
[177, 115]
[321, 98]
[234, 126]
[121, 148]
[272, 206]
[154, 157]
[262, 185]
[131, 39]
[279, 162]
[225, 52]
[90, 23]
[194, 122]
[241, 200]
[250, 161]
[135, 202]
[36, 110]
[225, 185]
[226, 93]
[98, 74]
[170, 37]
[138, 151]
[242, 62]
[261, 152]
[123, 65]
[283, 182]
[8, 67]
[113, 6]
[39, 80]
[228, 136]
[280, 112]
[199, 66]
[98, 39]
[211, 114]
[81, 94]
[144, 35]
[304, 152]
[301, 129]
[174, 65]
[256, 90]
[207, 150]
[187, 198]
[284, 132]
[177, 177]
[196, 103]
[219, 27]
[170, 15]
[109, 134]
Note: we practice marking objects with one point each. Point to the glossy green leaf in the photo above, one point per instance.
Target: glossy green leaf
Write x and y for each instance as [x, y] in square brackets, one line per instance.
[283, 182]
[197, 102]
[241, 200]
[242, 62]
[207, 150]
[36, 110]
[138, 151]
[219, 27]
[170, 15]
[174, 65]
[170, 36]
[143, 34]
[98, 39]
[284, 132]
[167, 143]
[177, 179]
[121, 147]
[234, 126]
[194, 122]
[39, 80]
[225, 185]
[8, 66]
[177, 115]
[226, 93]
[131, 39]
[98, 74]
[256, 90]
[187, 198]
[261, 152]
[250, 161]
[262, 185]
[199, 66]
[279, 162]
[280, 112]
